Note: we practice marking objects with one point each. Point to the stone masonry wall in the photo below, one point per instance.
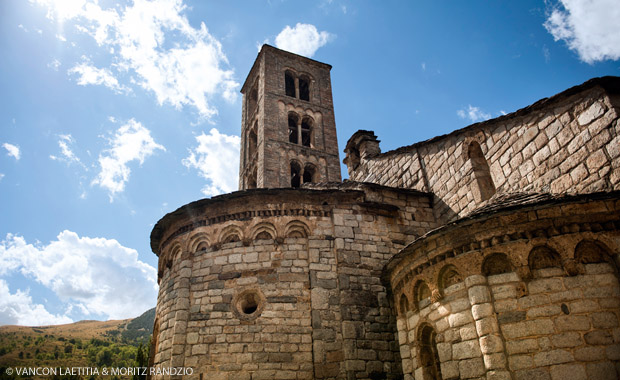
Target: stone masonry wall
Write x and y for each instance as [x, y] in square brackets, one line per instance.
[566, 144]
[528, 294]
[252, 286]
[270, 115]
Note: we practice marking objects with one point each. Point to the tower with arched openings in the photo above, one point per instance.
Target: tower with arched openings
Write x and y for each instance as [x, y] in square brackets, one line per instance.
[288, 130]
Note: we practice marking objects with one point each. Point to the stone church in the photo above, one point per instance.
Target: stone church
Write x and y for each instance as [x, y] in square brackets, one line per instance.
[491, 252]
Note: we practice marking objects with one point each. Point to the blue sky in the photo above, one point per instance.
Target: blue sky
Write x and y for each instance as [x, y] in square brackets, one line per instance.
[115, 113]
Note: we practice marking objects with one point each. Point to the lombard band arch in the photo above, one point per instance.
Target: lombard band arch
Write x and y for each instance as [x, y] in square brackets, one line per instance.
[296, 229]
[231, 234]
[264, 231]
[496, 263]
[198, 242]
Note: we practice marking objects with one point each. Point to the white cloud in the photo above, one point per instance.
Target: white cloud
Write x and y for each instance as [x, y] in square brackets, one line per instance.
[91, 75]
[474, 114]
[181, 65]
[55, 64]
[97, 275]
[217, 160]
[18, 309]
[67, 155]
[12, 150]
[589, 27]
[132, 142]
[1, 176]
[303, 39]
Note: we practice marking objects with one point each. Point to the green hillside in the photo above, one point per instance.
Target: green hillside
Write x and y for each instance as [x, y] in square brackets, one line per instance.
[84, 344]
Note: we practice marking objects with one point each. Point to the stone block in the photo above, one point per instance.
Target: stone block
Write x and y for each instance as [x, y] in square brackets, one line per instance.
[479, 294]
[450, 370]
[568, 371]
[521, 346]
[517, 362]
[572, 323]
[568, 339]
[602, 371]
[487, 326]
[593, 112]
[482, 310]
[598, 337]
[552, 357]
[503, 278]
[613, 352]
[468, 332]
[471, 368]
[511, 317]
[476, 279]
[533, 374]
[545, 285]
[444, 350]
[498, 375]
[589, 354]
[465, 350]
[490, 344]
[604, 320]
[460, 319]
[495, 361]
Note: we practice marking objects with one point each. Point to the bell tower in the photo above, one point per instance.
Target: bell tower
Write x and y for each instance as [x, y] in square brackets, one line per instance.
[288, 130]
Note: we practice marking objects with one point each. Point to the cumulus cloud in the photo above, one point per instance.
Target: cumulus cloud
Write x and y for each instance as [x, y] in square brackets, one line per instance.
[132, 142]
[96, 275]
[153, 41]
[217, 160]
[88, 74]
[12, 150]
[474, 114]
[303, 39]
[589, 27]
[18, 309]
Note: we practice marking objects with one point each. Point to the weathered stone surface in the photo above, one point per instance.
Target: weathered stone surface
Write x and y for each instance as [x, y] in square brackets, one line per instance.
[438, 249]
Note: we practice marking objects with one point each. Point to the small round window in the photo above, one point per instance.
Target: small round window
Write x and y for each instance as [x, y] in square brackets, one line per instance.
[248, 304]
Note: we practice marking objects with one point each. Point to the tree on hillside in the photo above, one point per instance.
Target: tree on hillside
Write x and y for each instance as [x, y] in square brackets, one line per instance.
[142, 359]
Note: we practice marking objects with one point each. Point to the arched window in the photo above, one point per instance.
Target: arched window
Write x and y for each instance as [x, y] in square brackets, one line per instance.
[304, 88]
[289, 84]
[429, 358]
[252, 142]
[251, 183]
[292, 128]
[496, 263]
[591, 252]
[543, 257]
[404, 304]
[422, 294]
[306, 131]
[485, 188]
[448, 276]
[310, 174]
[295, 174]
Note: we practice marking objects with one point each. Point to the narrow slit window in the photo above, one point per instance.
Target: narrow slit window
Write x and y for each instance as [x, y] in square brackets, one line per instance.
[485, 187]
[292, 129]
[295, 175]
[304, 89]
[289, 83]
[306, 132]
